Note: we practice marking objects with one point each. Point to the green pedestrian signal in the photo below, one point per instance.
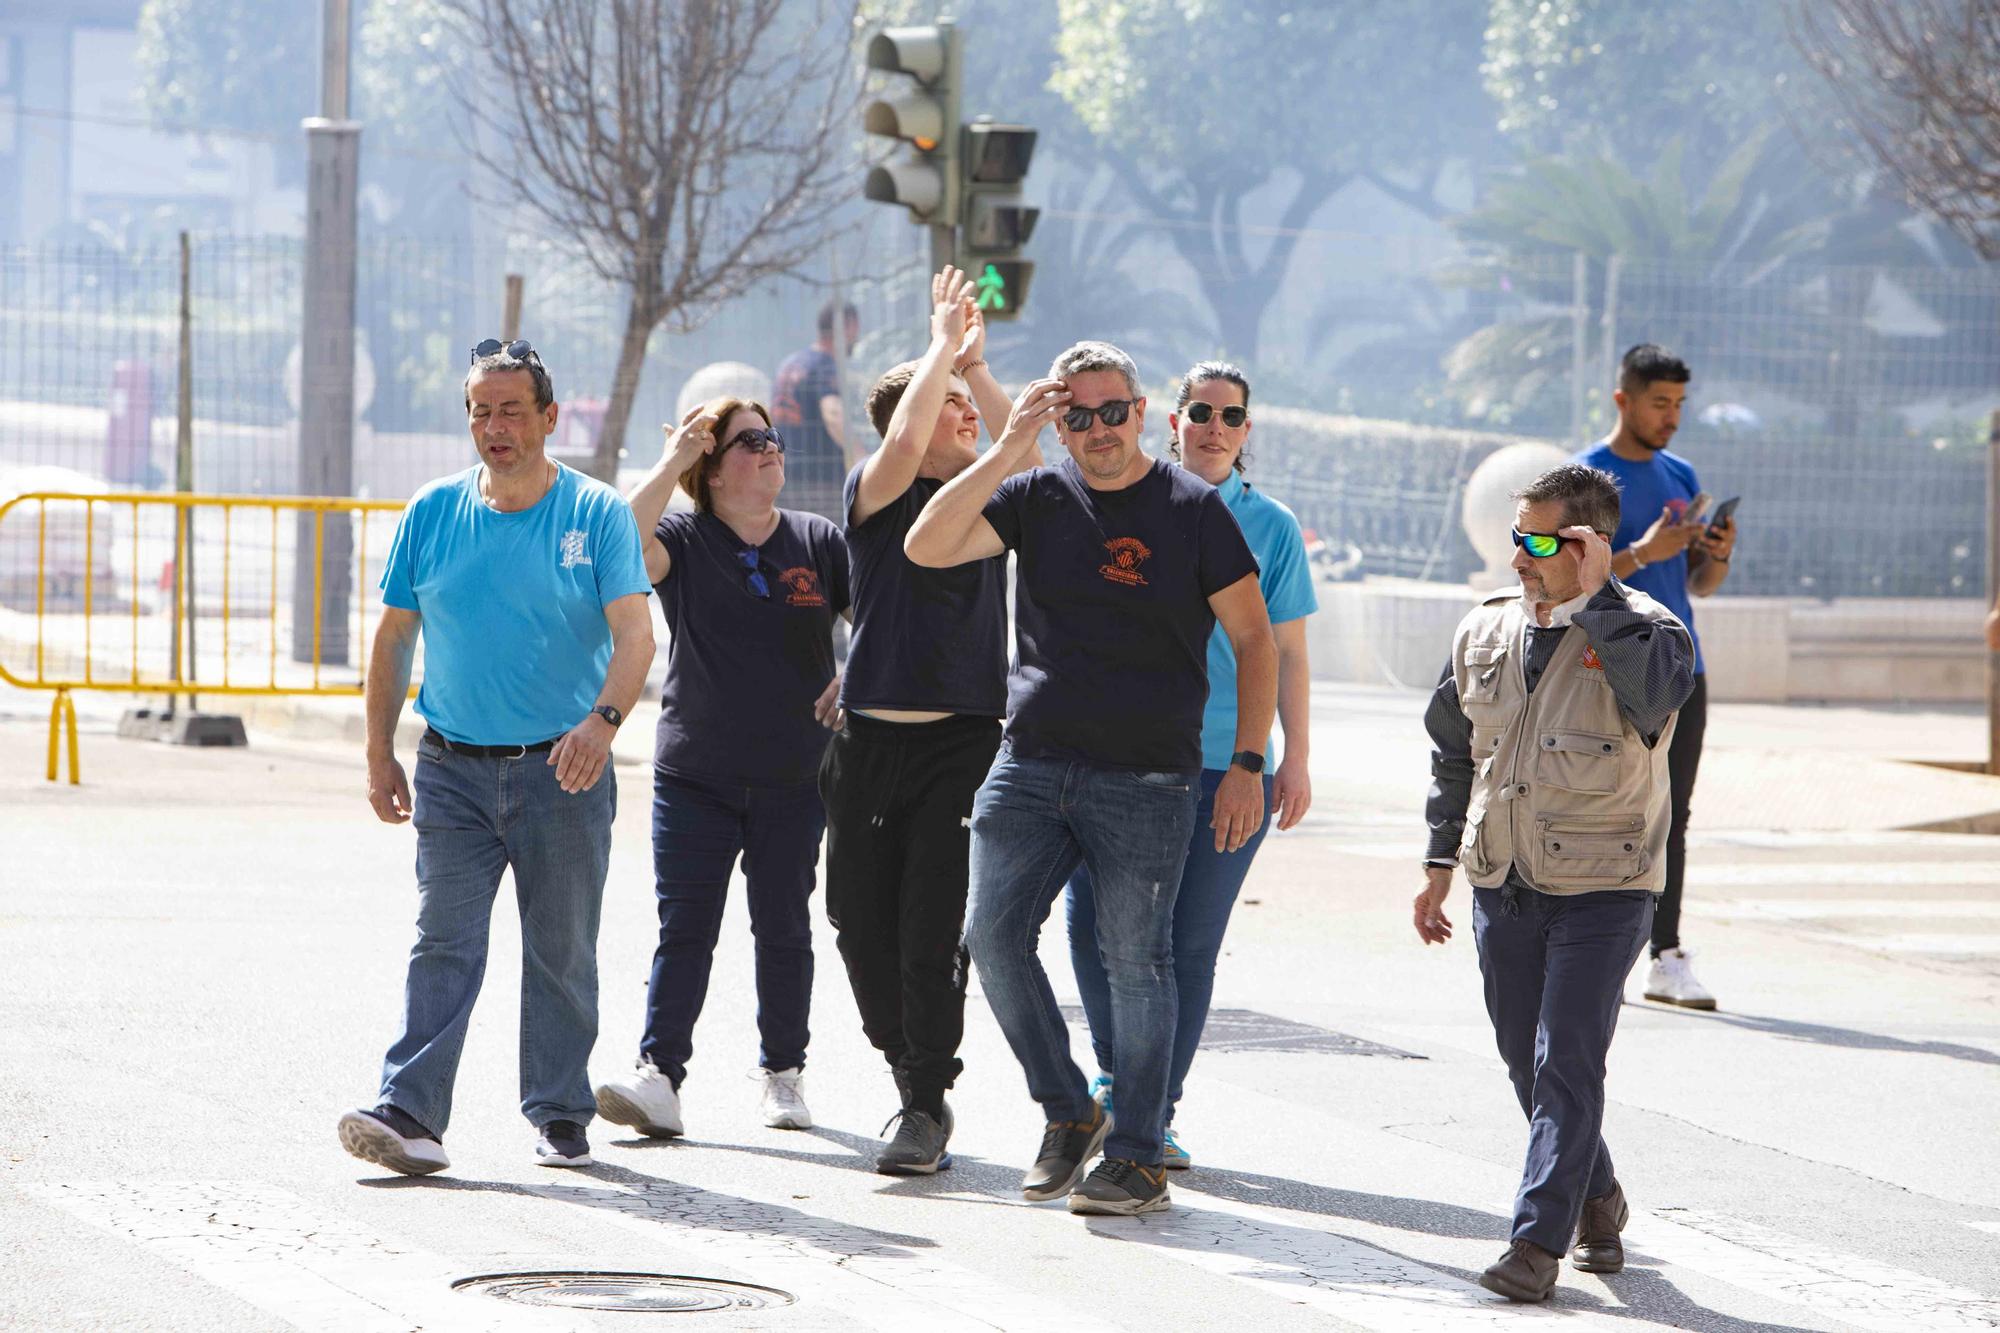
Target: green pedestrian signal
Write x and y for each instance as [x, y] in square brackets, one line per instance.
[1001, 288]
[992, 289]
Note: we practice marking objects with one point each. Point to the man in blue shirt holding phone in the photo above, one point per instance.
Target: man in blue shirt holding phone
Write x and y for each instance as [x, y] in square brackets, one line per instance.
[1668, 554]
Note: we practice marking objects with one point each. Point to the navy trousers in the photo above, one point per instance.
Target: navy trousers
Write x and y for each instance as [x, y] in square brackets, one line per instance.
[1555, 969]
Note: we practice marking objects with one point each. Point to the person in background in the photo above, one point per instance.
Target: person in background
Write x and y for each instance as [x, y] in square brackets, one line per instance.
[806, 405]
[750, 593]
[1672, 559]
[1210, 426]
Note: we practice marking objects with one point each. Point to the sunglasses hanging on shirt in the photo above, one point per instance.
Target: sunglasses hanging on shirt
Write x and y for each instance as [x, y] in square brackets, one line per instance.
[754, 575]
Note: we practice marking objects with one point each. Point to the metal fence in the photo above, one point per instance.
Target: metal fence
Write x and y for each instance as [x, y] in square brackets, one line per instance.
[1847, 405]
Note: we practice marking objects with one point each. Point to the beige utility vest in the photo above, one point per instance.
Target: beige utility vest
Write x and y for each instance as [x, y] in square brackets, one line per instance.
[1562, 786]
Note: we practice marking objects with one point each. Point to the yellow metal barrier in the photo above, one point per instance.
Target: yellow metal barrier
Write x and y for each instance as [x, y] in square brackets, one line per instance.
[179, 612]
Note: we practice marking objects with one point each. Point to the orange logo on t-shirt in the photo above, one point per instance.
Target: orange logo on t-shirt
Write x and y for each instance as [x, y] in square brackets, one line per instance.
[1127, 554]
[1591, 662]
[803, 587]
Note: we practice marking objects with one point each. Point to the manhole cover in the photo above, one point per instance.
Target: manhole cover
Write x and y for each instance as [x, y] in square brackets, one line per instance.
[1248, 1030]
[659, 1293]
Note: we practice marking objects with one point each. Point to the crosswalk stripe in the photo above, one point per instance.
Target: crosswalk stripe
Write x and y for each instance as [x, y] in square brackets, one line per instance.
[1835, 909]
[1855, 1290]
[1813, 874]
[315, 1271]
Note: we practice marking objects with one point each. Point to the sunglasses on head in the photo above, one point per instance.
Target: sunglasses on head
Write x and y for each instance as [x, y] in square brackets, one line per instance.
[1540, 545]
[758, 440]
[520, 349]
[1112, 413]
[1232, 416]
[749, 561]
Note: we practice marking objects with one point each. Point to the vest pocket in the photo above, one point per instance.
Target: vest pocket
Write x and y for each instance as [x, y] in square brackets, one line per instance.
[1483, 662]
[1579, 760]
[1589, 851]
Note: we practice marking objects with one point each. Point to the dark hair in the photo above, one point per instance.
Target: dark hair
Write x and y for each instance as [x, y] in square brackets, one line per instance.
[827, 312]
[887, 393]
[500, 363]
[1201, 372]
[1589, 496]
[695, 480]
[1647, 364]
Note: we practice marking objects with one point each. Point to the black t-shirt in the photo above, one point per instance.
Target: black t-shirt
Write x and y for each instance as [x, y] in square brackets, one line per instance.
[1111, 616]
[930, 639]
[743, 671]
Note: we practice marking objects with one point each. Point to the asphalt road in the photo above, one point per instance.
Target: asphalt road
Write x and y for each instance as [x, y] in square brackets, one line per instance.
[201, 956]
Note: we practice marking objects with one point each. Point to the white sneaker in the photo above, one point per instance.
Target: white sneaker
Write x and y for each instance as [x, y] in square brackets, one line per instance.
[784, 1101]
[644, 1099]
[1671, 981]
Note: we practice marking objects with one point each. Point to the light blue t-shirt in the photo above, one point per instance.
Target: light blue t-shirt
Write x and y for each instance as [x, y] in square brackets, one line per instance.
[515, 640]
[1666, 481]
[1285, 579]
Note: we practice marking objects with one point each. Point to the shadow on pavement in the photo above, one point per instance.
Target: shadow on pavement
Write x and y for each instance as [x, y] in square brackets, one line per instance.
[1820, 1034]
[1423, 1215]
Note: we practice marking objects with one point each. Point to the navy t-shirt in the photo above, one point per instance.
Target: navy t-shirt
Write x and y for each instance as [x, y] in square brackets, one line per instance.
[924, 639]
[743, 671]
[1111, 616]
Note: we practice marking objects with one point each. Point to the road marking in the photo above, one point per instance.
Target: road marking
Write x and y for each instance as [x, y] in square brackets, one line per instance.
[271, 1248]
[1993, 1227]
[882, 1280]
[1834, 909]
[1812, 874]
[1345, 1278]
[1757, 1259]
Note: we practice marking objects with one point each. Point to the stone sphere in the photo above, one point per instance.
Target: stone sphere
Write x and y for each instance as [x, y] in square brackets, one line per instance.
[717, 379]
[1487, 512]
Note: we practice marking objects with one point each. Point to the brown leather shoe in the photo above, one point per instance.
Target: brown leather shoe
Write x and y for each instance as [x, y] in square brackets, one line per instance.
[1527, 1272]
[1598, 1249]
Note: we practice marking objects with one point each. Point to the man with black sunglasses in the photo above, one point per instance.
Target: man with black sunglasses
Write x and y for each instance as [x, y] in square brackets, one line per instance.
[1125, 564]
[526, 582]
[1552, 723]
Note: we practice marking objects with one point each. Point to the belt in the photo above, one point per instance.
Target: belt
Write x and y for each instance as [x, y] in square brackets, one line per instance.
[488, 751]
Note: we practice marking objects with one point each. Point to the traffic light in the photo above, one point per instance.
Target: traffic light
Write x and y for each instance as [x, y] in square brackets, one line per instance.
[961, 181]
[924, 115]
[995, 225]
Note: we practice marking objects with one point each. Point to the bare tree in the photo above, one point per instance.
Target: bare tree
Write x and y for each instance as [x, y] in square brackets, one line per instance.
[1919, 83]
[688, 150]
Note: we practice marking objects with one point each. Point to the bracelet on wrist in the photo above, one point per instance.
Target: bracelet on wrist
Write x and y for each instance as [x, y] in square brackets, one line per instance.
[976, 361]
[1639, 562]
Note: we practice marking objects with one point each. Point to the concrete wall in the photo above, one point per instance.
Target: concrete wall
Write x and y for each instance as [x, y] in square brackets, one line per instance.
[1758, 649]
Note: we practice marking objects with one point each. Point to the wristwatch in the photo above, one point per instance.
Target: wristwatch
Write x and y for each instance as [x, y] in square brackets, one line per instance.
[1248, 760]
[609, 714]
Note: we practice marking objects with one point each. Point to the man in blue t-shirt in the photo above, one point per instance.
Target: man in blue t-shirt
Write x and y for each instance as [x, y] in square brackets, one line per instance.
[1124, 565]
[1662, 553]
[526, 583]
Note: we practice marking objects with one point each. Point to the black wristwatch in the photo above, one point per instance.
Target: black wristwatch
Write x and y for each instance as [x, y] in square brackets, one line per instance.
[1248, 760]
[609, 714]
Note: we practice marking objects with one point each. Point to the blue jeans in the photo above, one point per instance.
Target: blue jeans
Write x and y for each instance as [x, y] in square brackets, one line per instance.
[699, 827]
[1033, 821]
[1209, 884]
[1555, 975]
[476, 818]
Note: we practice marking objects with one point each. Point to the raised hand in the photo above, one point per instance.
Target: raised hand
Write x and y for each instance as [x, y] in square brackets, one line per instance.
[1595, 568]
[950, 299]
[695, 435]
[1039, 404]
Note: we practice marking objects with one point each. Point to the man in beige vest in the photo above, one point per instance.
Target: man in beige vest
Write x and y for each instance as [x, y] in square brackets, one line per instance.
[1551, 724]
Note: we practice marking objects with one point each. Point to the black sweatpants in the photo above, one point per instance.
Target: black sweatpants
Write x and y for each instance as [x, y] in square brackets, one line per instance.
[1683, 762]
[898, 797]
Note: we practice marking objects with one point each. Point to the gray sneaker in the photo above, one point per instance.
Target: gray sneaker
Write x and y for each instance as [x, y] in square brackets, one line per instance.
[919, 1146]
[1067, 1147]
[1122, 1188]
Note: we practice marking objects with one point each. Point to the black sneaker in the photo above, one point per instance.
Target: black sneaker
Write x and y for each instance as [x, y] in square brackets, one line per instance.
[562, 1144]
[1067, 1147]
[918, 1148]
[389, 1136]
[1121, 1188]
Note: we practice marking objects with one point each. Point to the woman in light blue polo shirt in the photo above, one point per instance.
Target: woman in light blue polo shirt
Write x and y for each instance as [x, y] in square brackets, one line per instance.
[1211, 424]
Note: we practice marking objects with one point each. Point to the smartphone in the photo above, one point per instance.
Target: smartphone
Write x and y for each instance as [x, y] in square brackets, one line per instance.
[1723, 513]
[1696, 508]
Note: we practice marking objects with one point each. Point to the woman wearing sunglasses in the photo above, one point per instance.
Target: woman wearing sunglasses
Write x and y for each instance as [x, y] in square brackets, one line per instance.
[1211, 425]
[750, 592]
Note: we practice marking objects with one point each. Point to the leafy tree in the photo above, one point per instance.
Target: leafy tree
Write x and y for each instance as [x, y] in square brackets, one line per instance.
[1615, 77]
[229, 64]
[1200, 103]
